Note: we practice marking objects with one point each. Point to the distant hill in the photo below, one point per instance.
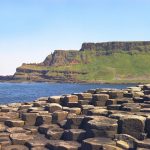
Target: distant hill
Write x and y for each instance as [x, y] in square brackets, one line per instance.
[112, 62]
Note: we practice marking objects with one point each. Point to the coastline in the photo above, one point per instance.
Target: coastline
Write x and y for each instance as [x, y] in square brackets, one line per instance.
[79, 121]
[78, 82]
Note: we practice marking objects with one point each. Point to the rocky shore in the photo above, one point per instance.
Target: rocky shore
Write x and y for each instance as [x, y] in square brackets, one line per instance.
[97, 119]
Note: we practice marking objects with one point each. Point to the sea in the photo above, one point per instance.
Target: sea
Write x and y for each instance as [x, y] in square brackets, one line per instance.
[26, 92]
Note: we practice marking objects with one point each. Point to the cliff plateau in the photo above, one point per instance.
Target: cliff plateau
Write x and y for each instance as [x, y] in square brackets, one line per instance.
[94, 62]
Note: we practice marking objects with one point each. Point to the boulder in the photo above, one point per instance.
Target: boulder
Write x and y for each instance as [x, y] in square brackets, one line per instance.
[74, 122]
[100, 99]
[59, 116]
[86, 108]
[63, 145]
[54, 133]
[98, 111]
[96, 143]
[15, 147]
[2, 128]
[14, 123]
[34, 143]
[116, 94]
[52, 107]
[69, 99]
[84, 96]
[43, 119]
[44, 128]
[102, 127]
[29, 118]
[74, 135]
[18, 130]
[20, 138]
[133, 125]
[54, 99]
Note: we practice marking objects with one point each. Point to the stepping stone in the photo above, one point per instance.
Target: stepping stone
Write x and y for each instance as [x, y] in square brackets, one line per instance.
[114, 107]
[96, 143]
[84, 102]
[3, 118]
[102, 127]
[86, 108]
[52, 107]
[123, 144]
[39, 103]
[116, 94]
[74, 122]
[100, 99]
[74, 135]
[111, 147]
[4, 134]
[138, 100]
[84, 96]
[18, 130]
[36, 144]
[15, 147]
[133, 125]
[75, 110]
[54, 133]
[63, 145]
[54, 99]
[69, 99]
[44, 128]
[29, 118]
[43, 119]
[32, 129]
[14, 123]
[2, 128]
[98, 111]
[20, 138]
[134, 89]
[5, 141]
[59, 116]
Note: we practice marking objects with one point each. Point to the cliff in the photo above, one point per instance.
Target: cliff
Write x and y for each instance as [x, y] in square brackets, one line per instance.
[94, 62]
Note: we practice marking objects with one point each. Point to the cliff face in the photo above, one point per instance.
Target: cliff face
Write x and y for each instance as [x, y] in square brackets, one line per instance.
[94, 61]
[125, 46]
[61, 57]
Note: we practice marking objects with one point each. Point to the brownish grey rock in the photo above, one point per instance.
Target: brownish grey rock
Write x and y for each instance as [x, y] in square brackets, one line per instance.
[102, 127]
[54, 99]
[54, 133]
[100, 99]
[74, 135]
[69, 99]
[84, 96]
[44, 128]
[59, 116]
[63, 145]
[43, 119]
[20, 138]
[98, 111]
[133, 125]
[29, 118]
[52, 107]
[15, 147]
[14, 123]
[96, 143]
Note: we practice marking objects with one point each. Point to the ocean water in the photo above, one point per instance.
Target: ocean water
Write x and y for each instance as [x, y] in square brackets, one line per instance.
[25, 92]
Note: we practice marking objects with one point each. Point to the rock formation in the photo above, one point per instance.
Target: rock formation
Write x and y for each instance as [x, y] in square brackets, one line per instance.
[68, 65]
[106, 119]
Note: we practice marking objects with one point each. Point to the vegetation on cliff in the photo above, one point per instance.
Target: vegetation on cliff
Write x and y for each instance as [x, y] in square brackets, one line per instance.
[101, 62]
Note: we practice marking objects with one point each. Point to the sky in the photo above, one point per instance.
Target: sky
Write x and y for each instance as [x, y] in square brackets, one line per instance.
[32, 29]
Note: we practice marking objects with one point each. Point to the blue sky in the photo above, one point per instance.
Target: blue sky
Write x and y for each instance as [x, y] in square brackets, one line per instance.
[32, 29]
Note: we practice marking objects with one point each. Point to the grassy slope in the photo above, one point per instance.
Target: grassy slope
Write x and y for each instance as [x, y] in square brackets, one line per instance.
[117, 67]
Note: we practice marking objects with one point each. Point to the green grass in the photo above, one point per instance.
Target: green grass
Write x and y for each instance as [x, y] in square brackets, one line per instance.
[117, 67]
